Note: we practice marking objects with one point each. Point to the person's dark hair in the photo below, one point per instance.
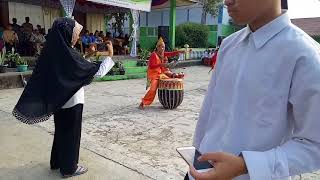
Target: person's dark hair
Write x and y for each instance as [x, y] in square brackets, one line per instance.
[101, 34]
[87, 31]
[27, 19]
[38, 26]
[14, 20]
[91, 34]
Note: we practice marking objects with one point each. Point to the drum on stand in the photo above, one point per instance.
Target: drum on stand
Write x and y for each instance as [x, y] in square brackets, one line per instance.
[170, 92]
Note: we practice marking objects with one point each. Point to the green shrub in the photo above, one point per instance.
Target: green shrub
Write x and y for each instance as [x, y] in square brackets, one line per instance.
[196, 35]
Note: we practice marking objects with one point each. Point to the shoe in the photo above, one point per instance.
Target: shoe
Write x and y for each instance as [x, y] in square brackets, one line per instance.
[80, 170]
[54, 168]
[141, 106]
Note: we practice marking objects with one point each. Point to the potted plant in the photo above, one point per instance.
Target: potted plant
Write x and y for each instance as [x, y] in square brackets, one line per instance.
[12, 58]
[143, 57]
[3, 68]
[117, 64]
[119, 68]
[22, 65]
[97, 60]
[112, 71]
[122, 70]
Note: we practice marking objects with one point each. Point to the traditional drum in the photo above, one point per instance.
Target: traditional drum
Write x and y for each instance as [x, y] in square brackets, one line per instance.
[170, 92]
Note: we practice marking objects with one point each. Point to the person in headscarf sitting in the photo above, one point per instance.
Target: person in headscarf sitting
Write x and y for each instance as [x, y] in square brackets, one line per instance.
[56, 88]
[37, 39]
[158, 67]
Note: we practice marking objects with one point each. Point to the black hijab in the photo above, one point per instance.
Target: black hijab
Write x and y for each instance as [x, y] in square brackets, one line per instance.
[60, 72]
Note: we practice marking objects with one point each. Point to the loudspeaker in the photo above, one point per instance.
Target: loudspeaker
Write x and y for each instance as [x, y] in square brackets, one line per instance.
[163, 31]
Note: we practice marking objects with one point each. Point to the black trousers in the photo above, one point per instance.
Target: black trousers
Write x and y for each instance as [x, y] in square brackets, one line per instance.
[66, 142]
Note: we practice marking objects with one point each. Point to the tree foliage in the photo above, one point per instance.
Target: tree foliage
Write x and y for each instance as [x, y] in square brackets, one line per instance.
[210, 7]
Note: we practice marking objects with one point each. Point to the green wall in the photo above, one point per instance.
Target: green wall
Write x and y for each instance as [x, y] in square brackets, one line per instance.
[149, 35]
[317, 39]
[226, 31]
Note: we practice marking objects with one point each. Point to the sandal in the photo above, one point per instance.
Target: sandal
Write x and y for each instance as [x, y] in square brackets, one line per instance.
[80, 170]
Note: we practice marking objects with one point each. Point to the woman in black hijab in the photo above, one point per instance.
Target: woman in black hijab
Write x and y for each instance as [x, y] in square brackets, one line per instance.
[55, 88]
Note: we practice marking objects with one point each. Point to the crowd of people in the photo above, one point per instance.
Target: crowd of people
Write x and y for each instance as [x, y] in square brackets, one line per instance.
[98, 40]
[28, 40]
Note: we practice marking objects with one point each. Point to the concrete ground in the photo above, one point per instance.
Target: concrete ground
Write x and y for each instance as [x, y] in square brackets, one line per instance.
[119, 141]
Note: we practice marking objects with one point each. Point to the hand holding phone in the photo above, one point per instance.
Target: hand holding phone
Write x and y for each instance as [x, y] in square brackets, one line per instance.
[191, 155]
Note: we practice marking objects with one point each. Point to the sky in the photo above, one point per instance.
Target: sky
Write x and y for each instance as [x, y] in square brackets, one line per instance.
[304, 8]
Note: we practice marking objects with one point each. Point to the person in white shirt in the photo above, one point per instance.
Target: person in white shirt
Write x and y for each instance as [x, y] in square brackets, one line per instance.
[260, 117]
[56, 88]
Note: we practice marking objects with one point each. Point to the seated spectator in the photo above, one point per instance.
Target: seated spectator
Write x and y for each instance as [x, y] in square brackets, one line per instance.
[96, 33]
[38, 40]
[93, 38]
[101, 34]
[108, 37]
[41, 30]
[10, 38]
[98, 38]
[126, 40]
[86, 40]
[39, 27]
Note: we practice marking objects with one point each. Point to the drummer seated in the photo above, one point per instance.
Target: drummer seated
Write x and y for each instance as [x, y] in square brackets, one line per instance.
[157, 66]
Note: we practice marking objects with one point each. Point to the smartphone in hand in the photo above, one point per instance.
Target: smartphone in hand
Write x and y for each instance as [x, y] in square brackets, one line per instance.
[191, 155]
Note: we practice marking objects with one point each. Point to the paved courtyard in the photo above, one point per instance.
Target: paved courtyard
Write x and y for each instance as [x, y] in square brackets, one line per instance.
[137, 144]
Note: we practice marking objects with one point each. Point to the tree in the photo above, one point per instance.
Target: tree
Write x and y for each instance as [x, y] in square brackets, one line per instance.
[118, 23]
[210, 7]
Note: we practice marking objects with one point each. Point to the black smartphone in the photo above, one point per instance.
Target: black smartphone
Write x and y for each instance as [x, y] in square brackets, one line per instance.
[191, 155]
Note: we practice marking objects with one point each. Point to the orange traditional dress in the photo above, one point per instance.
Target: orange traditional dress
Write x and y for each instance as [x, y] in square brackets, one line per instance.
[156, 72]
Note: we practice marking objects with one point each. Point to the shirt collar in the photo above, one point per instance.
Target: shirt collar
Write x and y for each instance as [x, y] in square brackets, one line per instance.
[268, 31]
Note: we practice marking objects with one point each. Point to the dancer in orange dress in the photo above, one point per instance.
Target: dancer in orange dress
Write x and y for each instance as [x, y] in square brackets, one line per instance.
[158, 67]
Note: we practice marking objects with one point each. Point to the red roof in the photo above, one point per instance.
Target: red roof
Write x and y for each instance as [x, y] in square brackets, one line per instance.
[309, 25]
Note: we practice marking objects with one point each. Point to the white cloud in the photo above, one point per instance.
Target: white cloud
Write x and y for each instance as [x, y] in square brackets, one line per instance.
[304, 8]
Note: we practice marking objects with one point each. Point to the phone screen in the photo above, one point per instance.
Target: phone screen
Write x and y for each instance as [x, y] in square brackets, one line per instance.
[191, 155]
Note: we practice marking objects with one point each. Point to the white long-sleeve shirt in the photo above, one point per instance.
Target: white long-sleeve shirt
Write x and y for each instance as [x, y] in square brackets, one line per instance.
[78, 97]
[264, 100]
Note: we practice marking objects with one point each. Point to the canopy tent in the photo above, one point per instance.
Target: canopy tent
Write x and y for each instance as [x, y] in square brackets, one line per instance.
[160, 4]
[141, 5]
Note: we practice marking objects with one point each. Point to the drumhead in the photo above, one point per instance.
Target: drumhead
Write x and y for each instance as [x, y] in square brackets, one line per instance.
[172, 80]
